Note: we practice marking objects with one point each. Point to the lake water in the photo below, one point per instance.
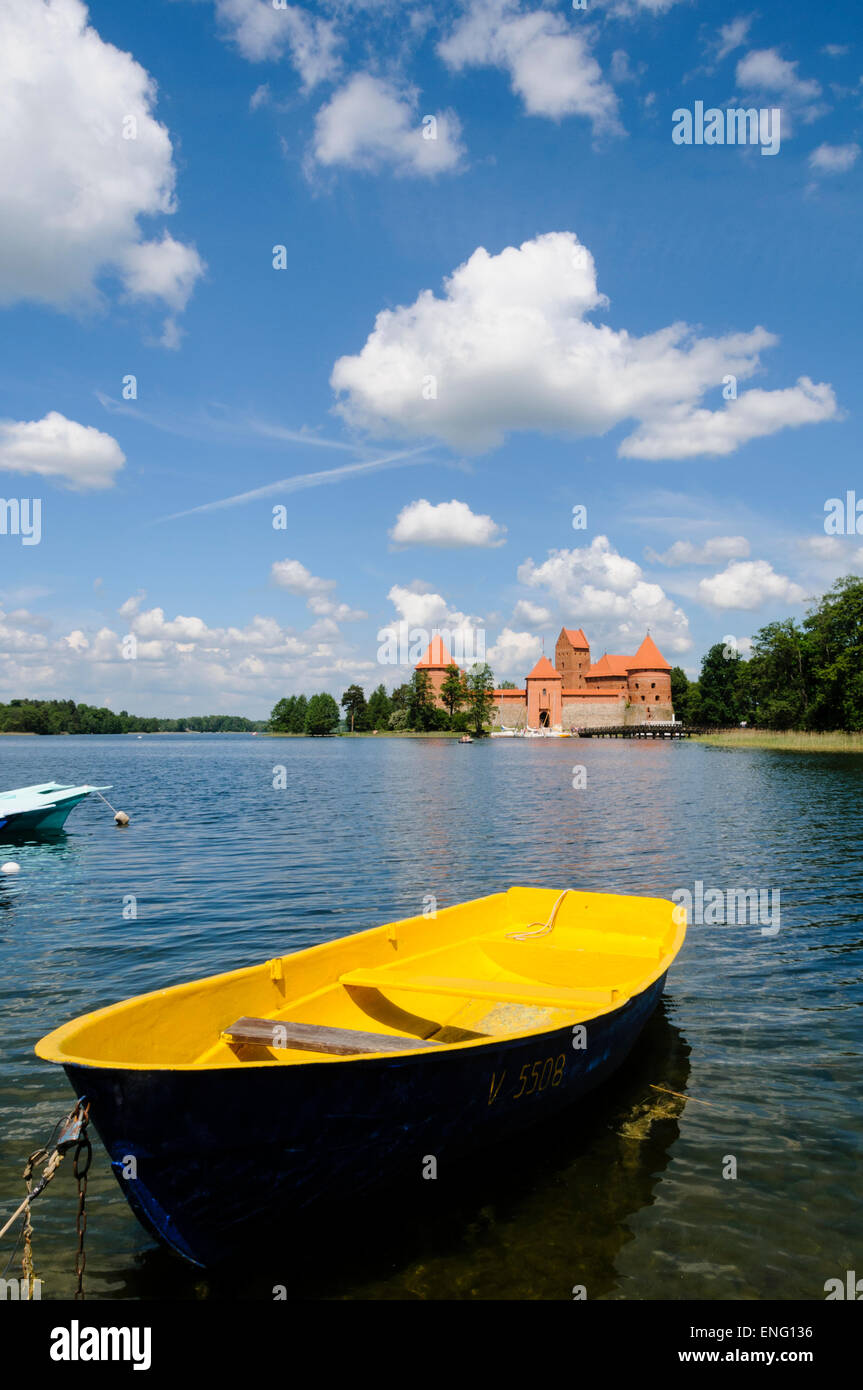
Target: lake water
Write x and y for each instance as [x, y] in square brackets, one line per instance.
[759, 1035]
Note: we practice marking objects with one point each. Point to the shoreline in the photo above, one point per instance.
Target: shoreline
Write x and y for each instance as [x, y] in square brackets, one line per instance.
[371, 733]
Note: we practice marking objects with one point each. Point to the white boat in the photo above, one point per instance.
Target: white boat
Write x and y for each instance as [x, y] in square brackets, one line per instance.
[43, 806]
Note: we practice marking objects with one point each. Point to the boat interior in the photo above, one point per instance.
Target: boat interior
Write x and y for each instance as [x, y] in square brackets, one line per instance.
[529, 960]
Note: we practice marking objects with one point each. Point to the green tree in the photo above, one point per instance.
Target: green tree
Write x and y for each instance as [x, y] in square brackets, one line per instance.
[420, 701]
[680, 693]
[379, 709]
[834, 631]
[775, 682]
[298, 718]
[401, 697]
[322, 715]
[480, 697]
[280, 719]
[354, 706]
[452, 691]
[717, 686]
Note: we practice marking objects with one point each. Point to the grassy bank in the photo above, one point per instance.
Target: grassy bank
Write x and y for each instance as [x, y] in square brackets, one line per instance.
[791, 741]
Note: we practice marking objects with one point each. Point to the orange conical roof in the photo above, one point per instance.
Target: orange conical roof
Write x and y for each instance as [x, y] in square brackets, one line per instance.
[436, 654]
[610, 664]
[648, 657]
[577, 638]
[544, 668]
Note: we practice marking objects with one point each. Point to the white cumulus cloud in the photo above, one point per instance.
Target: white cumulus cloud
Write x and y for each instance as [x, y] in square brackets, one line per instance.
[263, 31]
[686, 430]
[747, 584]
[448, 525]
[513, 654]
[80, 456]
[373, 124]
[595, 582]
[82, 159]
[293, 575]
[533, 614]
[318, 593]
[764, 73]
[510, 347]
[549, 62]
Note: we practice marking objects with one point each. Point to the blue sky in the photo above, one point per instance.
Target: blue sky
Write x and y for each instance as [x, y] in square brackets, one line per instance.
[535, 309]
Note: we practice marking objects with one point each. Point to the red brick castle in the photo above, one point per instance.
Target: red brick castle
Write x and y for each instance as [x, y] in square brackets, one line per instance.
[574, 692]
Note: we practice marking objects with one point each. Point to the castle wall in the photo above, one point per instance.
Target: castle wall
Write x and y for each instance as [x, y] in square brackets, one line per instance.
[583, 713]
[590, 714]
[609, 712]
[649, 714]
[510, 713]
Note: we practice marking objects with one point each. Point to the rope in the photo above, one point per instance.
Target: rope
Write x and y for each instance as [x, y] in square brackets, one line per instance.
[545, 927]
[73, 1135]
[16, 1214]
[106, 801]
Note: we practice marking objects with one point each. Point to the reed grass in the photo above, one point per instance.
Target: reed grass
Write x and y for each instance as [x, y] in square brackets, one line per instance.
[790, 741]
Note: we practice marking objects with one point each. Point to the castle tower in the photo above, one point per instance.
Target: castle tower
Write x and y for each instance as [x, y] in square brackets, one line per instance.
[572, 657]
[435, 661]
[544, 686]
[649, 681]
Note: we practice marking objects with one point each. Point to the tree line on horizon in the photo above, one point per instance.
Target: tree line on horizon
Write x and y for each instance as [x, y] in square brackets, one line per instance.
[804, 676]
[67, 717]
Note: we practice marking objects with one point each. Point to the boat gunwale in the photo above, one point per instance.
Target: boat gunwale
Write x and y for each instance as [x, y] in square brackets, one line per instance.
[48, 1048]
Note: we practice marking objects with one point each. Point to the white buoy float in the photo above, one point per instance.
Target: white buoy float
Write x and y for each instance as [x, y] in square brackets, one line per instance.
[120, 817]
[10, 867]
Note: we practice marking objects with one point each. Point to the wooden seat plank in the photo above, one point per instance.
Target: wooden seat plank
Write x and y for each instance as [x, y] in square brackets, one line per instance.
[502, 991]
[316, 1037]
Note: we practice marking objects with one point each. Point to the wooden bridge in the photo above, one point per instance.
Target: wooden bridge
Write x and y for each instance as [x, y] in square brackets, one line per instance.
[640, 731]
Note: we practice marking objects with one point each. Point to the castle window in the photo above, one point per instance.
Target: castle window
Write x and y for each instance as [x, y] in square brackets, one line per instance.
[636, 685]
[656, 697]
[642, 697]
[653, 686]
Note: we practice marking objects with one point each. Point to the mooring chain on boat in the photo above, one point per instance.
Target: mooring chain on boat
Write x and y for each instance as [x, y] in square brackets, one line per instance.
[72, 1134]
[81, 1169]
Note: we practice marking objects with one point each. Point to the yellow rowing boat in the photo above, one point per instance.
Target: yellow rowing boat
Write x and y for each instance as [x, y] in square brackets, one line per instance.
[349, 1061]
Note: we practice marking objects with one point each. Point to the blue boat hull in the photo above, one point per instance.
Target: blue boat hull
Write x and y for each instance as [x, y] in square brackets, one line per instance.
[51, 819]
[222, 1153]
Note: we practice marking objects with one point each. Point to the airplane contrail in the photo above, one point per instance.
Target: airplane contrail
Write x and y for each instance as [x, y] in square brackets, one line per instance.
[299, 481]
[204, 427]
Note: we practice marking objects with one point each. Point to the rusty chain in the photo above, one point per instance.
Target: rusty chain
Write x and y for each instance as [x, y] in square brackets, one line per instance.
[73, 1132]
[81, 1170]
